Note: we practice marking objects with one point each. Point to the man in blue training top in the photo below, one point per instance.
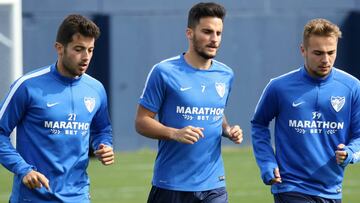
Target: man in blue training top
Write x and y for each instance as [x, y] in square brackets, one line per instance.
[189, 93]
[317, 123]
[58, 112]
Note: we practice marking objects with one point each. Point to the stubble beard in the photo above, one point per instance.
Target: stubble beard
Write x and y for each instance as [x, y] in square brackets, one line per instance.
[67, 65]
[201, 51]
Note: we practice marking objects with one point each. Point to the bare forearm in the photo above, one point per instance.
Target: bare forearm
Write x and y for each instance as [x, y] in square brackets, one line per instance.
[234, 133]
[152, 128]
[148, 126]
[225, 124]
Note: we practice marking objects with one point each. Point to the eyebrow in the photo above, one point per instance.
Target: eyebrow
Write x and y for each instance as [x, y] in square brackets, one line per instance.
[82, 46]
[324, 51]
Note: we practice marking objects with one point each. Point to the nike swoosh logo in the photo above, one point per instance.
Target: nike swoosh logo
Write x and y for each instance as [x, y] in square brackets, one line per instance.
[297, 104]
[52, 104]
[184, 88]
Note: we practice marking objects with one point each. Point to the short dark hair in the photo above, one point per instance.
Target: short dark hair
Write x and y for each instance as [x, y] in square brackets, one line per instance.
[73, 24]
[200, 10]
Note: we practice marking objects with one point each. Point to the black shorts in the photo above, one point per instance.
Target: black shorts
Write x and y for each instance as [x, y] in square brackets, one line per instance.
[294, 197]
[159, 195]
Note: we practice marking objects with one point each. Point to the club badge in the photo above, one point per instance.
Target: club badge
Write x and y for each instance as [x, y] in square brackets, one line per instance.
[89, 103]
[220, 88]
[337, 102]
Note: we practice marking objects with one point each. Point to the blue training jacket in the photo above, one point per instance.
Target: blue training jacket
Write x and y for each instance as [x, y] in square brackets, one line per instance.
[312, 116]
[56, 118]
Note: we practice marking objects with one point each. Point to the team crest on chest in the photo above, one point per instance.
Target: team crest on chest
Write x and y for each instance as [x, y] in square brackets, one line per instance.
[337, 102]
[89, 103]
[220, 88]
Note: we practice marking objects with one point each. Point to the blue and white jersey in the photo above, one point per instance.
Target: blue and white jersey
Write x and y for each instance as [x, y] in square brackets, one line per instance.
[312, 117]
[182, 95]
[56, 118]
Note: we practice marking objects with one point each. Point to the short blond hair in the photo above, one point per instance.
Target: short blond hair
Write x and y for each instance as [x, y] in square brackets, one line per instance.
[320, 27]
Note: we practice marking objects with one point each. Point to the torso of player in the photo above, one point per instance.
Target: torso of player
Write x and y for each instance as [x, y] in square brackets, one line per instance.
[313, 117]
[195, 97]
[315, 108]
[190, 96]
[59, 114]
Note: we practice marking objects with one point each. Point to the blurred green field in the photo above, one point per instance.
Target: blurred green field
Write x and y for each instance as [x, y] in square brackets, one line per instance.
[128, 181]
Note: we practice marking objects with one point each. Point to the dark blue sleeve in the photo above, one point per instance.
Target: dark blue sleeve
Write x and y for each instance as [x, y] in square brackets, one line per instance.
[353, 147]
[266, 110]
[101, 130]
[11, 112]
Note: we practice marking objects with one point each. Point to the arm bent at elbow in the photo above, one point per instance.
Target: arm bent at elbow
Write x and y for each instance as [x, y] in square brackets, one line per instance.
[148, 126]
[234, 133]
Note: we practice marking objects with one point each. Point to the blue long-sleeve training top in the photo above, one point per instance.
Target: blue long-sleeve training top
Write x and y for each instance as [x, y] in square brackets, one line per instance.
[312, 117]
[56, 119]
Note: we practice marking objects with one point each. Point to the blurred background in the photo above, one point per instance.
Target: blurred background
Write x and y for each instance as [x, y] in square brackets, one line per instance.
[261, 40]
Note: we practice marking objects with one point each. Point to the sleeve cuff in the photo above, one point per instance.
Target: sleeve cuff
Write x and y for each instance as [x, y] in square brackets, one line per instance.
[267, 177]
[348, 158]
[23, 173]
[105, 143]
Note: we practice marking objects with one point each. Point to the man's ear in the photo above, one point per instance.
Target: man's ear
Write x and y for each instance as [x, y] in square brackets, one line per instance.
[189, 33]
[302, 49]
[59, 48]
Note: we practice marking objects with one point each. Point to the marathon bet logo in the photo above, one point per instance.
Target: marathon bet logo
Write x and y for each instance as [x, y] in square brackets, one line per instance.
[200, 113]
[316, 125]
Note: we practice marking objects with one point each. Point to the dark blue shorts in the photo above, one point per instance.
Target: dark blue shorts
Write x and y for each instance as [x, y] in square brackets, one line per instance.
[294, 197]
[159, 195]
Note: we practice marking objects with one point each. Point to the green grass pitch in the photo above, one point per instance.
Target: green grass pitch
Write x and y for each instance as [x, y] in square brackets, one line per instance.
[129, 180]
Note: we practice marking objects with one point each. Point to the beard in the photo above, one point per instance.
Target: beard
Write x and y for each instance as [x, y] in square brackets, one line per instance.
[70, 66]
[67, 64]
[200, 50]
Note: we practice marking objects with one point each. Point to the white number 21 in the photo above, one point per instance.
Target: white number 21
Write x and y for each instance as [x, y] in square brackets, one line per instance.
[72, 117]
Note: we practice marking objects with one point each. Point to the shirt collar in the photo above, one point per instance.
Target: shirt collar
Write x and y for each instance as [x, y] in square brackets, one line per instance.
[62, 78]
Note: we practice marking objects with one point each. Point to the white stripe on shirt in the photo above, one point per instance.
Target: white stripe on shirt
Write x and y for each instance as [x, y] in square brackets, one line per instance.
[17, 85]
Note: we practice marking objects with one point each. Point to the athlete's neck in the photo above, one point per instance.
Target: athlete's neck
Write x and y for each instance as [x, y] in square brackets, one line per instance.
[314, 75]
[62, 71]
[197, 61]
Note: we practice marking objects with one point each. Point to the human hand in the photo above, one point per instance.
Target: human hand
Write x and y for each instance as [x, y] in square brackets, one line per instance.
[35, 179]
[235, 134]
[340, 154]
[188, 135]
[277, 178]
[105, 154]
